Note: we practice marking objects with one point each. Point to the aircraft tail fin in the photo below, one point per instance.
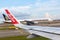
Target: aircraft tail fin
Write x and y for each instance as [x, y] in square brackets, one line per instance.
[12, 18]
[5, 17]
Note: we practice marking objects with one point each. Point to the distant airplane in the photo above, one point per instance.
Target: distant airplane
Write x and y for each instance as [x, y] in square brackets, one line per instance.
[49, 32]
[7, 20]
[5, 17]
[47, 17]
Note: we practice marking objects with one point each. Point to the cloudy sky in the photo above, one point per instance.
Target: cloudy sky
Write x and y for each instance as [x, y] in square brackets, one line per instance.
[31, 8]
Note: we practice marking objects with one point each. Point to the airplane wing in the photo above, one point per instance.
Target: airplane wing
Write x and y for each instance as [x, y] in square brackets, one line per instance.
[49, 32]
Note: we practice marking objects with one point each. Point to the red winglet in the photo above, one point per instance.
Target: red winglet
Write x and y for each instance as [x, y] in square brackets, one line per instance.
[13, 19]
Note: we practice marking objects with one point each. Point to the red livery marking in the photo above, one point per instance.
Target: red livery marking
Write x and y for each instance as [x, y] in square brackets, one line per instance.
[14, 21]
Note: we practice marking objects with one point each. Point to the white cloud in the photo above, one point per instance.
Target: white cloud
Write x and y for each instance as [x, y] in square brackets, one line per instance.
[17, 9]
[49, 5]
[37, 8]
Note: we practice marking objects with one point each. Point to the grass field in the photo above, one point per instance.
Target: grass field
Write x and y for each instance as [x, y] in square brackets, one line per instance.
[8, 28]
[23, 38]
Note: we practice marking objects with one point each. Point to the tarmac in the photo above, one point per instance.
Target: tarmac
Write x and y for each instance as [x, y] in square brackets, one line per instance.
[11, 32]
[7, 33]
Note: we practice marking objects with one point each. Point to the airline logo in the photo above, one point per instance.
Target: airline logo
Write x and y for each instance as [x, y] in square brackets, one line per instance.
[14, 21]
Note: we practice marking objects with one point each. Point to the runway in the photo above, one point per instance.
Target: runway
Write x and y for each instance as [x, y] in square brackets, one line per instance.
[5, 33]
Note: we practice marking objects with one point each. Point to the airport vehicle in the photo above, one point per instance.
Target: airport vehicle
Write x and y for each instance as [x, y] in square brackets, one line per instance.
[49, 32]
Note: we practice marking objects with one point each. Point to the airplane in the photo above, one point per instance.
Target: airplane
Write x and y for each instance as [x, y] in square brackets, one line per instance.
[7, 20]
[47, 17]
[28, 21]
[49, 32]
[5, 17]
